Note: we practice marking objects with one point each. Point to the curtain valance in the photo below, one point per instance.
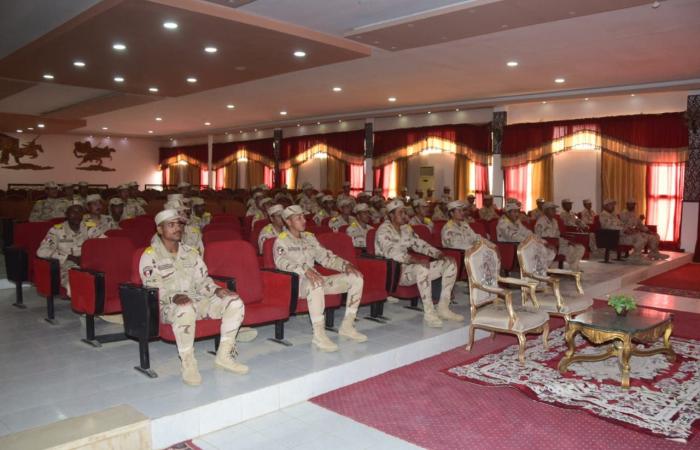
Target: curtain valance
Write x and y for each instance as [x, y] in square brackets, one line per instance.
[472, 141]
[194, 154]
[259, 150]
[658, 138]
[348, 146]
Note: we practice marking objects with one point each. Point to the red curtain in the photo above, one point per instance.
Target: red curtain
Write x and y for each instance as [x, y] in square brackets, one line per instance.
[481, 182]
[263, 147]
[352, 142]
[200, 153]
[477, 137]
[220, 178]
[268, 176]
[378, 177]
[357, 178]
[516, 182]
[665, 200]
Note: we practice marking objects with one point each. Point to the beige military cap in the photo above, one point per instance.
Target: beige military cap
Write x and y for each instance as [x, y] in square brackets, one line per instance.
[566, 200]
[454, 205]
[123, 187]
[290, 211]
[174, 204]
[394, 204]
[511, 207]
[116, 201]
[51, 185]
[275, 209]
[306, 185]
[82, 183]
[344, 202]
[93, 198]
[587, 201]
[167, 215]
[327, 198]
[548, 205]
[265, 200]
[361, 207]
[197, 201]
[609, 201]
[419, 202]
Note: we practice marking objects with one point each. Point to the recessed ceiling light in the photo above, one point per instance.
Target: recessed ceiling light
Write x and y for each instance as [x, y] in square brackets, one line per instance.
[340, 121]
[559, 80]
[586, 99]
[207, 123]
[118, 46]
[79, 63]
[48, 76]
[298, 124]
[337, 89]
[191, 80]
[41, 125]
[150, 131]
[170, 25]
[430, 112]
[283, 113]
[30, 128]
[105, 128]
[240, 131]
[631, 95]
[299, 53]
[230, 106]
[512, 63]
[255, 129]
[119, 79]
[153, 89]
[392, 99]
[159, 119]
[19, 131]
[544, 102]
[211, 49]
[457, 109]
[318, 123]
[400, 114]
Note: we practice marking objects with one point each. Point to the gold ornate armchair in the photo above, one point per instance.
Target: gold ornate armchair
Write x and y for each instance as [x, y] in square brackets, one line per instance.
[534, 266]
[492, 306]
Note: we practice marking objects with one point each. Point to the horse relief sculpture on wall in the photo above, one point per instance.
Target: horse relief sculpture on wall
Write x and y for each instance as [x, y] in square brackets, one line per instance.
[10, 147]
[92, 156]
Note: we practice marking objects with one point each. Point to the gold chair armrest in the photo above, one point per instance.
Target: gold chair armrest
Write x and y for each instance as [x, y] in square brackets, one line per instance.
[569, 273]
[516, 281]
[491, 290]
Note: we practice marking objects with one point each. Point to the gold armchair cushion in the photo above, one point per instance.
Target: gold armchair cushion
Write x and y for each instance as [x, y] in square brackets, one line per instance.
[548, 303]
[496, 316]
[484, 267]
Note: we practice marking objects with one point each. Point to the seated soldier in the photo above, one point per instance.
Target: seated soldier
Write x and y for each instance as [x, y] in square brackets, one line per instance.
[284, 193]
[306, 198]
[71, 196]
[571, 220]
[430, 195]
[297, 251]
[548, 227]
[94, 217]
[272, 229]
[421, 210]
[64, 242]
[440, 211]
[131, 206]
[470, 209]
[393, 240]
[345, 195]
[509, 227]
[134, 194]
[632, 221]
[538, 211]
[377, 209]
[116, 209]
[199, 217]
[457, 233]
[587, 215]
[446, 196]
[628, 236]
[345, 207]
[359, 228]
[186, 294]
[403, 195]
[184, 188]
[191, 234]
[83, 190]
[51, 207]
[488, 210]
[263, 204]
[254, 209]
[418, 194]
[363, 197]
[326, 210]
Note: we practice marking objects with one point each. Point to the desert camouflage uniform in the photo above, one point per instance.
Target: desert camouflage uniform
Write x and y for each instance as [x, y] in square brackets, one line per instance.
[446, 198]
[549, 228]
[268, 232]
[48, 208]
[185, 273]
[308, 204]
[338, 221]
[299, 255]
[427, 221]
[255, 212]
[535, 214]
[61, 242]
[377, 216]
[394, 244]
[192, 237]
[322, 214]
[508, 231]
[587, 216]
[570, 220]
[488, 213]
[342, 196]
[439, 215]
[358, 233]
[132, 209]
[458, 235]
[105, 224]
[610, 221]
[200, 222]
[632, 220]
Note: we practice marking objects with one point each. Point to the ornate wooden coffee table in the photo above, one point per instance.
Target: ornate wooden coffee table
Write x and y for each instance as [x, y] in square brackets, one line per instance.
[601, 326]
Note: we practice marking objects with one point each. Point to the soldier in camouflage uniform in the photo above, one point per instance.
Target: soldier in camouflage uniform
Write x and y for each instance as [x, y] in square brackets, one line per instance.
[421, 210]
[509, 227]
[488, 210]
[345, 206]
[633, 222]
[306, 200]
[83, 191]
[94, 217]
[548, 227]
[587, 215]
[199, 217]
[116, 209]
[134, 194]
[272, 229]
[53, 206]
[393, 240]
[471, 212]
[184, 188]
[571, 220]
[191, 234]
[457, 233]
[359, 228]
[254, 209]
[64, 242]
[345, 195]
[187, 293]
[297, 251]
[131, 206]
[326, 211]
[446, 196]
[628, 236]
[440, 211]
[263, 204]
[536, 213]
[377, 209]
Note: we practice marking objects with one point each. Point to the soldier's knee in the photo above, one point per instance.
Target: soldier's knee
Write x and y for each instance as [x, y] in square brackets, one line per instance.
[184, 314]
[234, 305]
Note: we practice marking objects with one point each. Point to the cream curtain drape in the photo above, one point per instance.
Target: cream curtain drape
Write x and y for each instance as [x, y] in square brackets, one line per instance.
[624, 179]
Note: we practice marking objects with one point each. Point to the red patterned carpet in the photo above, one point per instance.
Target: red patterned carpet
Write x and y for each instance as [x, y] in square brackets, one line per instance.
[421, 404]
[683, 279]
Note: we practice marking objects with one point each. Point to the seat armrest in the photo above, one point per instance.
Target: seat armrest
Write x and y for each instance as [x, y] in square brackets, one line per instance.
[87, 290]
[294, 282]
[140, 310]
[516, 282]
[16, 263]
[47, 276]
[279, 288]
[563, 272]
[375, 269]
[224, 282]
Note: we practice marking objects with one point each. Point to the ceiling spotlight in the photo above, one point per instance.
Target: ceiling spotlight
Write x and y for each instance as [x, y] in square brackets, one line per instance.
[340, 121]
[430, 112]
[119, 79]
[119, 47]
[283, 113]
[299, 53]
[457, 109]
[153, 89]
[255, 129]
[512, 63]
[318, 123]
[211, 49]
[392, 99]
[207, 123]
[170, 25]
[631, 95]
[230, 106]
[19, 131]
[585, 99]
[656, 4]
[30, 128]
[159, 119]
[544, 102]
[78, 63]
[298, 124]
[191, 80]
[41, 125]
[105, 128]
[48, 76]
[337, 89]
[240, 132]
[400, 115]
[150, 131]
[559, 80]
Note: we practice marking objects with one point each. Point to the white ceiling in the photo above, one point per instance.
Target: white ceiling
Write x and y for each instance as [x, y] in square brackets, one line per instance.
[620, 48]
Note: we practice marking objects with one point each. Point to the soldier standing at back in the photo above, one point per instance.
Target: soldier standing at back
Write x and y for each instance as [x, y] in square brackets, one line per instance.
[51, 207]
[187, 294]
[548, 227]
[297, 251]
[393, 240]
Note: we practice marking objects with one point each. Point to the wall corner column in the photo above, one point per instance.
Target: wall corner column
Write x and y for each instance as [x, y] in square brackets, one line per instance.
[498, 124]
[277, 149]
[210, 157]
[369, 153]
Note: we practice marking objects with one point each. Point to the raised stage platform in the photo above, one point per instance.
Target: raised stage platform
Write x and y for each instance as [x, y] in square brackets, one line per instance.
[47, 374]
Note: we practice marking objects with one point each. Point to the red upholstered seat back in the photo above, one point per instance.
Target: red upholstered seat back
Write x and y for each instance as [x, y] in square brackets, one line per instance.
[438, 225]
[492, 226]
[28, 235]
[236, 259]
[479, 228]
[229, 219]
[371, 233]
[423, 232]
[113, 257]
[222, 226]
[134, 274]
[268, 259]
[140, 229]
[340, 244]
[220, 235]
[560, 223]
[255, 232]
[317, 229]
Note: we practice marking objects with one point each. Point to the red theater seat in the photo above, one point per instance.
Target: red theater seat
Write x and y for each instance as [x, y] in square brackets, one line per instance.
[255, 232]
[506, 250]
[20, 256]
[215, 235]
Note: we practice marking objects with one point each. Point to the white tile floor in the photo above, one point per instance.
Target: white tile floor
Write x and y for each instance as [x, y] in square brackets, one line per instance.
[47, 374]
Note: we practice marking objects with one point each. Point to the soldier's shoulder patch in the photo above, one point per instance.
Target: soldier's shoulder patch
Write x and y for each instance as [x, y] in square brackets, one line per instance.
[409, 226]
[206, 214]
[149, 250]
[308, 233]
[354, 224]
[427, 220]
[90, 224]
[283, 235]
[58, 226]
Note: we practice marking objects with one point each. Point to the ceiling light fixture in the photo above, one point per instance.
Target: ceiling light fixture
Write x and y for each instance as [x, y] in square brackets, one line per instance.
[512, 63]
[392, 99]
[207, 123]
[400, 114]
[159, 119]
[79, 63]
[211, 49]
[283, 113]
[298, 124]
[30, 128]
[586, 99]
[119, 79]
[559, 80]
[656, 4]
[191, 80]
[119, 47]
[631, 95]
[544, 102]
[19, 131]
[153, 89]
[299, 53]
[337, 89]
[230, 106]
[170, 25]
[105, 128]
[318, 123]
[430, 112]
[48, 76]
[150, 131]
[457, 109]
[41, 125]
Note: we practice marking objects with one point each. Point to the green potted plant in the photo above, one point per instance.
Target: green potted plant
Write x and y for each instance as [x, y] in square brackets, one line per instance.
[622, 303]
